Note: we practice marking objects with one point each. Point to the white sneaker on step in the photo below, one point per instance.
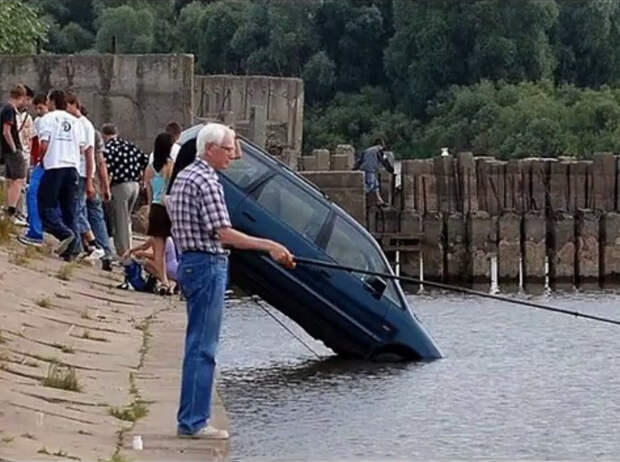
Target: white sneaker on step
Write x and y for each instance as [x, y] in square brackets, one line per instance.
[208, 433]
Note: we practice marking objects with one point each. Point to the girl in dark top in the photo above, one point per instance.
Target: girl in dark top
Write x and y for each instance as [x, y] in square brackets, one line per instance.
[156, 178]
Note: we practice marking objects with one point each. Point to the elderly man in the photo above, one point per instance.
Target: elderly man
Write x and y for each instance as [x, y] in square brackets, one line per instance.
[201, 229]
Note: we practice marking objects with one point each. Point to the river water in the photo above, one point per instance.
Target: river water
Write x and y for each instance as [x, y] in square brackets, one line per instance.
[515, 383]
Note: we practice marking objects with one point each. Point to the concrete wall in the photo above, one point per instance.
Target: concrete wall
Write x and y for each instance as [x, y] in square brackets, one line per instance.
[268, 110]
[345, 188]
[140, 93]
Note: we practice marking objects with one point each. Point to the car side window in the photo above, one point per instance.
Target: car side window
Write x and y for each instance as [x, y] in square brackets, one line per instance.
[350, 248]
[294, 206]
[244, 171]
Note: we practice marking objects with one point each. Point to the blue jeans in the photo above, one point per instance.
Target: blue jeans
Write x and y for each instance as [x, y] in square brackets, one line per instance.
[203, 278]
[35, 227]
[57, 195]
[96, 218]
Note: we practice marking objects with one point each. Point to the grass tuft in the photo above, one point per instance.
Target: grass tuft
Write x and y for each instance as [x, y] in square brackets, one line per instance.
[86, 335]
[63, 378]
[131, 413]
[7, 230]
[66, 271]
[44, 302]
[2, 339]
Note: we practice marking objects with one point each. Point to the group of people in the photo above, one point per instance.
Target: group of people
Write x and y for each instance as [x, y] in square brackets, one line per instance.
[81, 183]
[74, 170]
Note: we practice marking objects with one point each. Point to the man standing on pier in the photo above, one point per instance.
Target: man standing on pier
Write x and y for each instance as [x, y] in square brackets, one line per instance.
[201, 229]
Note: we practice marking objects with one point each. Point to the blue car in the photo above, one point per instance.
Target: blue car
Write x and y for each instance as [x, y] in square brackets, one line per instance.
[353, 314]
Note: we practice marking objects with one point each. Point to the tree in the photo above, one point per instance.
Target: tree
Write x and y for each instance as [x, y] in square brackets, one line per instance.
[218, 25]
[319, 76]
[22, 29]
[130, 30]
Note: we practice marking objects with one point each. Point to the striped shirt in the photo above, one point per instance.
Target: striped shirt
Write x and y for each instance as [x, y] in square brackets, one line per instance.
[197, 209]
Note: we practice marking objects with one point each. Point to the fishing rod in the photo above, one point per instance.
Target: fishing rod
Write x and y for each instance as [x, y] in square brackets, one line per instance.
[463, 290]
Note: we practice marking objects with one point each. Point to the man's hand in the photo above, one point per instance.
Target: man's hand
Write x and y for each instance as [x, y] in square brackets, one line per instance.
[107, 194]
[90, 189]
[282, 255]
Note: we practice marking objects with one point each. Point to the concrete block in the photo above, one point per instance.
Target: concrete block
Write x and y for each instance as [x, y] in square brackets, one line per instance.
[481, 245]
[323, 159]
[534, 246]
[467, 192]
[309, 163]
[588, 258]
[456, 247]
[561, 230]
[577, 180]
[433, 248]
[514, 199]
[610, 245]
[410, 223]
[590, 203]
[558, 185]
[490, 174]
[444, 170]
[408, 185]
[349, 152]
[508, 246]
[345, 188]
[258, 125]
[427, 200]
[340, 162]
[535, 179]
[604, 184]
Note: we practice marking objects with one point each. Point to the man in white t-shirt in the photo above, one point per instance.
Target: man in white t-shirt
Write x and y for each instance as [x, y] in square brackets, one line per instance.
[86, 188]
[62, 142]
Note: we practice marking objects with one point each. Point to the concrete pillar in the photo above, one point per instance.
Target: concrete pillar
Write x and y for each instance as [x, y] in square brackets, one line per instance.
[610, 245]
[481, 245]
[433, 249]
[349, 152]
[490, 185]
[467, 196]
[410, 223]
[604, 181]
[388, 220]
[588, 261]
[425, 186]
[309, 164]
[340, 162]
[514, 187]
[386, 186]
[408, 185]
[508, 246]
[456, 247]
[558, 185]
[561, 228]
[577, 179]
[443, 168]
[322, 159]
[534, 183]
[534, 246]
[590, 204]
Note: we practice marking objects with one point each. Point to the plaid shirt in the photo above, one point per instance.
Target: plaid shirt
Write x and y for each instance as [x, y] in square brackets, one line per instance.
[197, 209]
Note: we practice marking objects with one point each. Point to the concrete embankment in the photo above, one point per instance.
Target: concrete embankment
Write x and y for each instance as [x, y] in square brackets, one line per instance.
[85, 367]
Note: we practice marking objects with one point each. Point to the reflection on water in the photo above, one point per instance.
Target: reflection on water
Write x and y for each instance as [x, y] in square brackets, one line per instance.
[516, 383]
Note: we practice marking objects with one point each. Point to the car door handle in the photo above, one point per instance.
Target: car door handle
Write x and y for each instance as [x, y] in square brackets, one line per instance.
[249, 216]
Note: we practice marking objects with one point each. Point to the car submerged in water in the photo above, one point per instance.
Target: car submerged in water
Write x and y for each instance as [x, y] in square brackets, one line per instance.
[353, 314]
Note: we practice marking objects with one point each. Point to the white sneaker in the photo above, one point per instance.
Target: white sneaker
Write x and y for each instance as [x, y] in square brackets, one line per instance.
[18, 221]
[208, 433]
[95, 255]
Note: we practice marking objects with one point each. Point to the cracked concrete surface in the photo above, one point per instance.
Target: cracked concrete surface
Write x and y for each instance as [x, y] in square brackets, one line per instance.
[98, 331]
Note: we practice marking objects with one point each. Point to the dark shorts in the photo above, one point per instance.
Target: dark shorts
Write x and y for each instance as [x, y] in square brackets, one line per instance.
[16, 167]
[159, 221]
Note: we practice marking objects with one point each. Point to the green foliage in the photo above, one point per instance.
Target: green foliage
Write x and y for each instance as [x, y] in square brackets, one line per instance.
[22, 29]
[522, 120]
[130, 30]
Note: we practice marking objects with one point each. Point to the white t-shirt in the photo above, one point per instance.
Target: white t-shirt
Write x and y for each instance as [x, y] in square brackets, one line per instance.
[89, 139]
[174, 152]
[65, 137]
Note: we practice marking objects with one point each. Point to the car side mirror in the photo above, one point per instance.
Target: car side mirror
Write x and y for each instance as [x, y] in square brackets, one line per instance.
[376, 286]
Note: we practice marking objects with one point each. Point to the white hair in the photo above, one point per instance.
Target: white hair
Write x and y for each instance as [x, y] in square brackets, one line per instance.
[211, 133]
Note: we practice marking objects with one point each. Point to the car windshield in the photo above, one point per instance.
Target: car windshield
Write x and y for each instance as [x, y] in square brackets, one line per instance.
[349, 247]
[244, 171]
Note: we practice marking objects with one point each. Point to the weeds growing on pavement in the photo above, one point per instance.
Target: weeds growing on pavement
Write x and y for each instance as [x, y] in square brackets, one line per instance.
[85, 315]
[18, 258]
[86, 335]
[131, 413]
[44, 302]
[2, 339]
[66, 271]
[7, 230]
[64, 378]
